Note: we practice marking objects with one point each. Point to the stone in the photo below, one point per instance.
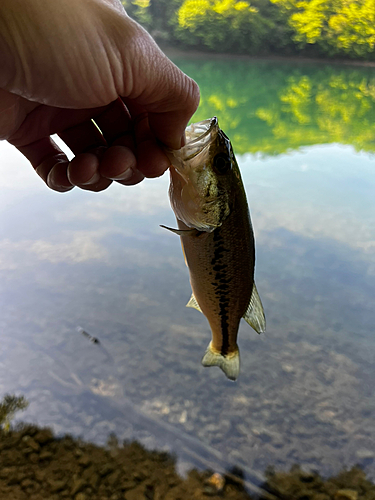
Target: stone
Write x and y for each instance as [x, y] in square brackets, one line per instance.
[364, 454]
[31, 443]
[45, 455]
[136, 494]
[40, 475]
[7, 472]
[128, 484]
[43, 436]
[113, 478]
[214, 485]
[94, 480]
[34, 458]
[78, 484]
[27, 483]
[56, 484]
[106, 469]
[85, 461]
[346, 495]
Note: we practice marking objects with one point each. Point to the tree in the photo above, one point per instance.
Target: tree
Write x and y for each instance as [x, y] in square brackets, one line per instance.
[158, 16]
[336, 27]
[8, 407]
[222, 25]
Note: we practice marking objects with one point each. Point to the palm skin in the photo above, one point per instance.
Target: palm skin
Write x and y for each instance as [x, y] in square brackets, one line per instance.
[67, 62]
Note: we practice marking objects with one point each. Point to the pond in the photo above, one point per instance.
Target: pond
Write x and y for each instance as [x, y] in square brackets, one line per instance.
[303, 135]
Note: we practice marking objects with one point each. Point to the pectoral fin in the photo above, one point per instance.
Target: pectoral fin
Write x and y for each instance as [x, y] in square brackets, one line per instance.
[183, 232]
[193, 303]
[254, 314]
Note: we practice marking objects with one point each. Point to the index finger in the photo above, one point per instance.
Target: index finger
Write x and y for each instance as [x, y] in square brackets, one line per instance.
[151, 159]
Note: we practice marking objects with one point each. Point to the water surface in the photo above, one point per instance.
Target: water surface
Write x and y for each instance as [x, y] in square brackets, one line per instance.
[304, 139]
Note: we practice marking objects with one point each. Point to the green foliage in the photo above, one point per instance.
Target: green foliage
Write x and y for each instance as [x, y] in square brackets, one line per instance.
[140, 11]
[222, 25]
[354, 27]
[344, 28]
[337, 27]
[158, 16]
[8, 407]
[270, 108]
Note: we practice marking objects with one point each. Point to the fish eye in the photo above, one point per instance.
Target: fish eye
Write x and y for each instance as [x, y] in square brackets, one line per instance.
[222, 163]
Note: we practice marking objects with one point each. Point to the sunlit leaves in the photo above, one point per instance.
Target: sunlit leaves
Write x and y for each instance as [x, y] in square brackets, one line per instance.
[221, 24]
[354, 26]
[343, 27]
[139, 9]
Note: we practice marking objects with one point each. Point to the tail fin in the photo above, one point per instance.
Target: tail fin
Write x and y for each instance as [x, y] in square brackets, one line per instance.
[230, 363]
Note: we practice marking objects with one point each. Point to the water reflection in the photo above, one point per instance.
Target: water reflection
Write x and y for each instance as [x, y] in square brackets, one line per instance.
[101, 261]
[271, 107]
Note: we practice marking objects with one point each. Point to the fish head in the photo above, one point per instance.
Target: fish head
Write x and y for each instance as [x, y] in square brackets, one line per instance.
[202, 176]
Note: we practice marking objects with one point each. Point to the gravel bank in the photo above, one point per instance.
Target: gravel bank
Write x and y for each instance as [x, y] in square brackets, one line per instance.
[35, 465]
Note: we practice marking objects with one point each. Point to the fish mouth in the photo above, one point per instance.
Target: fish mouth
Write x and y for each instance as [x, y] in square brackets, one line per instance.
[198, 137]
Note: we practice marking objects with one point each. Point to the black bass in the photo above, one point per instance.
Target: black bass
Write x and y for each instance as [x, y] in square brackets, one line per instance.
[209, 201]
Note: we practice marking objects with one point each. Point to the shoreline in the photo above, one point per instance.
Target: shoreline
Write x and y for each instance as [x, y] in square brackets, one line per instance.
[35, 465]
[172, 52]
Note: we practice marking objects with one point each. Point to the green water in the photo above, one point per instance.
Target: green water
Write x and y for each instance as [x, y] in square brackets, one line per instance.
[272, 107]
[304, 139]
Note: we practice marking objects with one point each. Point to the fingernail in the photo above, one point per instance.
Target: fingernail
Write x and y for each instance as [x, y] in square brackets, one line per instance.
[124, 176]
[56, 178]
[93, 180]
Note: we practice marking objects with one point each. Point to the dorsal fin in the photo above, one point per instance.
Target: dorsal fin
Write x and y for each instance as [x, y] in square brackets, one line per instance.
[254, 314]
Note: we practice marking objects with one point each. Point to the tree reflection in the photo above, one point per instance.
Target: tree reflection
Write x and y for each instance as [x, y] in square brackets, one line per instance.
[274, 107]
[10, 405]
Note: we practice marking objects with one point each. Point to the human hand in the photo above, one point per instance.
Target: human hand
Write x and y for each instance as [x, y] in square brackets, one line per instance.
[66, 62]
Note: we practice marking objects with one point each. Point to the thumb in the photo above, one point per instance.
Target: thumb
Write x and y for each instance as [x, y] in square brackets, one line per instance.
[159, 87]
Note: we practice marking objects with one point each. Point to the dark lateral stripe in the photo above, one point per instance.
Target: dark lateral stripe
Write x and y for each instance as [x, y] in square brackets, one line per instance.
[224, 328]
[221, 285]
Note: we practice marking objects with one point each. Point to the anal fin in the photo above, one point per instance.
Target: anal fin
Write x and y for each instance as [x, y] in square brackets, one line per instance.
[254, 314]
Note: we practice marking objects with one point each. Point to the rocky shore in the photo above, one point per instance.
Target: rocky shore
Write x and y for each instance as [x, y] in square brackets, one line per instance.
[36, 465]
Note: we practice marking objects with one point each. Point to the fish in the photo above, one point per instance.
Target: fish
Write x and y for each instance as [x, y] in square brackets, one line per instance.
[92, 339]
[209, 201]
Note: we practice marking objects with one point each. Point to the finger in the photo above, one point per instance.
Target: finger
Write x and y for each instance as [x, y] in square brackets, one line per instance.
[46, 157]
[94, 167]
[88, 144]
[169, 117]
[151, 159]
[83, 171]
[57, 178]
[134, 179]
[82, 137]
[115, 121]
[44, 121]
[118, 163]
[169, 126]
